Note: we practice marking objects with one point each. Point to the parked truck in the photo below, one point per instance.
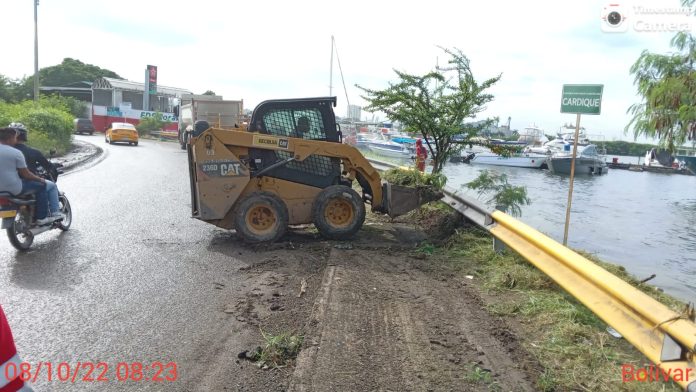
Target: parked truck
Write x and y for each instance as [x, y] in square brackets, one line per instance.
[219, 113]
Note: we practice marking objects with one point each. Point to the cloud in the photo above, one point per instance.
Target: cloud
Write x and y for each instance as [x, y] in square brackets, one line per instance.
[271, 49]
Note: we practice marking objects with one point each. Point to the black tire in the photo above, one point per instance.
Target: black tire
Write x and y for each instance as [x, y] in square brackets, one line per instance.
[67, 211]
[135, 144]
[91, 133]
[260, 217]
[19, 235]
[182, 141]
[338, 212]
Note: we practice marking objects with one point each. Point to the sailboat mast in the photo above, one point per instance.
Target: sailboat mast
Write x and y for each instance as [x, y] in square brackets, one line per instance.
[331, 68]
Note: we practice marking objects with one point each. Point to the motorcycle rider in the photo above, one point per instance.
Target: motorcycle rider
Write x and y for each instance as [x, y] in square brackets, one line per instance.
[16, 179]
[32, 156]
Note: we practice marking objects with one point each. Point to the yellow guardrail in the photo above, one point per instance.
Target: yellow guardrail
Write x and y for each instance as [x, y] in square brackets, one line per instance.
[665, 337]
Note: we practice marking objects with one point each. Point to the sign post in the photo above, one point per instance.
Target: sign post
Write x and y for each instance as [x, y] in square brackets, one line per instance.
[578, 99]
[150, 88]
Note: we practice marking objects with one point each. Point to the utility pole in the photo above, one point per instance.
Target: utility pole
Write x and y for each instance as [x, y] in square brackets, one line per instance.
[36, 51]
[331, 67]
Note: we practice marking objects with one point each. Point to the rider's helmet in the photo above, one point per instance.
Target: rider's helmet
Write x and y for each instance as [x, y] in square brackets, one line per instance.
[21, 130]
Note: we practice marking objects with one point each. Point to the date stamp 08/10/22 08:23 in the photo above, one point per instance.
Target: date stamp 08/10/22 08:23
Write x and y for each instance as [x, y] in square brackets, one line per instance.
[92, 371]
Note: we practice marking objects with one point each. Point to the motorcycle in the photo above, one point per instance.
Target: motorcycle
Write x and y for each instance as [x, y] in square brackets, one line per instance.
[18, 213]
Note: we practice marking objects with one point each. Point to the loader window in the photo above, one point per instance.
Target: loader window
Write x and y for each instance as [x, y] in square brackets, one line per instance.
[299, 123]
[305, 123]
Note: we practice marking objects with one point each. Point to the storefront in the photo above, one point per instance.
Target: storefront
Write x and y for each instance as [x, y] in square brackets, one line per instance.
[116, 100]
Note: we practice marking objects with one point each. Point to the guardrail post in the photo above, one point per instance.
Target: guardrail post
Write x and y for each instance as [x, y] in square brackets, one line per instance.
[498, 245]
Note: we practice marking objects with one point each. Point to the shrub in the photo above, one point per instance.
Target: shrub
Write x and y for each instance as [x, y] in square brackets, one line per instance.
[151, 124]
[49, 127]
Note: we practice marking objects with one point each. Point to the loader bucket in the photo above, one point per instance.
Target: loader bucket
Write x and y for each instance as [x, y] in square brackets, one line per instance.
[402, 199]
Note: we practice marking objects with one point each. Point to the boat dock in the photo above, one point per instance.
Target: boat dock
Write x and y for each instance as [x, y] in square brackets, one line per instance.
[652, 169]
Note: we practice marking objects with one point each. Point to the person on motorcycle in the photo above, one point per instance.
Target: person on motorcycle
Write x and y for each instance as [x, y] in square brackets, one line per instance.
[32, 156]
[16, 178]
[35, 158]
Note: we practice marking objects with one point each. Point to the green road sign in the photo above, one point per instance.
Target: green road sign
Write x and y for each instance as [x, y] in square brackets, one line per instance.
[582, 98]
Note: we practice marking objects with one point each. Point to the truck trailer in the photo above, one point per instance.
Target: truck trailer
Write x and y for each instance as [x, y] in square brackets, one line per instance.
[219, 113]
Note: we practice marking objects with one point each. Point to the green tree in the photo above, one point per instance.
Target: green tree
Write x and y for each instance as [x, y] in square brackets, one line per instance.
[8, 89]
[71, 105]
[68, 72]
[627, 148]
[436, 104]
[503, 196]
[209, 92]
[5, 88]
[667, 84]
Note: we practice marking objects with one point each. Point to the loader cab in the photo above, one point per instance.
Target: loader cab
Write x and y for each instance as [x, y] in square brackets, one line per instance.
[306, 118]
[285, 117]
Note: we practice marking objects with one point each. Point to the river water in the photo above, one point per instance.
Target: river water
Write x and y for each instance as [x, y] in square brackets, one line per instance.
[643, 221]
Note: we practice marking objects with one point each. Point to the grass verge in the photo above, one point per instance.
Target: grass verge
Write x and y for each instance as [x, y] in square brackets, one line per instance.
[566, 338]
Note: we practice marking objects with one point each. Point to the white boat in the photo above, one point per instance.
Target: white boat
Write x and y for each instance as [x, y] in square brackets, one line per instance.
[653, 158]
[529, 137]
[361, 140]
[383, 146]
[532, 136]
[566, 136]
[529, 160]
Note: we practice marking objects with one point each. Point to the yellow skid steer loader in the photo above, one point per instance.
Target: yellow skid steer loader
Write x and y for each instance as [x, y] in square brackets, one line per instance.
[288, 167]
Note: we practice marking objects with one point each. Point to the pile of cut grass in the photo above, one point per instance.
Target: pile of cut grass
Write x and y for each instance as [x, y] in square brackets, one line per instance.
[279, 350]
[414, 178]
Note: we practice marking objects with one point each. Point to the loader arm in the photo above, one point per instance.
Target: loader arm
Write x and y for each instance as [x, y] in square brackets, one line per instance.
[354, 162]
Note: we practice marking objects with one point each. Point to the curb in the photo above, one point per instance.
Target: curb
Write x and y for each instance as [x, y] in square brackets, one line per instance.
[73, 159]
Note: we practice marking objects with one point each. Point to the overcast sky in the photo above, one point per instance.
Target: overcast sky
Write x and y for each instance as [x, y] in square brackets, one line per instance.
[257, 50]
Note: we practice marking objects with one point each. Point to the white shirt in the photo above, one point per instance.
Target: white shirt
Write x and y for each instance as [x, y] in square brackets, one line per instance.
[11, 159]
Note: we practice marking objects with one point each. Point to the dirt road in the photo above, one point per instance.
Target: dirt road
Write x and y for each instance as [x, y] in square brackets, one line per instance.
[376, 315]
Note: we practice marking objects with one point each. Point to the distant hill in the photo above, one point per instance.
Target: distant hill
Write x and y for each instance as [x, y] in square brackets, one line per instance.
[71, 71]
[68, 72]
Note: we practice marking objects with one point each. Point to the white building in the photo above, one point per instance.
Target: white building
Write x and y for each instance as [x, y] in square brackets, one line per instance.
[354, 112]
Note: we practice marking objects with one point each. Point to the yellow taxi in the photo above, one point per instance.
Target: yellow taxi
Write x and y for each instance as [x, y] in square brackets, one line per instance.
[121, 132]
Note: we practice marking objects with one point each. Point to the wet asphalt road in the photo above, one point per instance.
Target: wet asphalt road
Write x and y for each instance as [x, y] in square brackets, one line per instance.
[134, 280]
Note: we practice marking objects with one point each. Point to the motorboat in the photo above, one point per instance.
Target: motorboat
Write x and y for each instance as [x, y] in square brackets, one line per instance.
[532, 136]
[587, 161]
[382, 145]
[654, 158]
[524, 159]
[362, 139]
[565, 137]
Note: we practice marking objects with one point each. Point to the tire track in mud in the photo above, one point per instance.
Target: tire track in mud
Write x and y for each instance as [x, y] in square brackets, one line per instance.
[375, 317]
[381, 324]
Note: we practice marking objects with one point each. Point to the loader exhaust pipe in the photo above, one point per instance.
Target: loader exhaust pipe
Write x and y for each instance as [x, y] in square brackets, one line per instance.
[399, 200]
